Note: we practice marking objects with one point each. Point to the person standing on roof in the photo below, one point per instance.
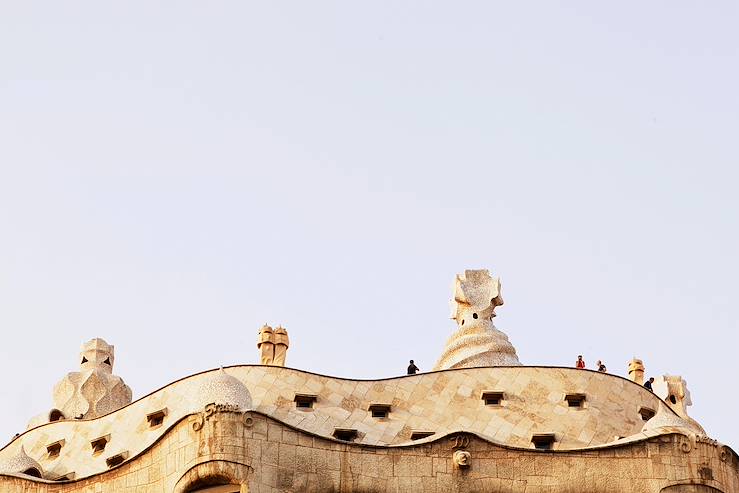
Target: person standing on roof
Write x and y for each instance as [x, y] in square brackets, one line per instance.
[412, 368]
[648, 384]
[580, 363]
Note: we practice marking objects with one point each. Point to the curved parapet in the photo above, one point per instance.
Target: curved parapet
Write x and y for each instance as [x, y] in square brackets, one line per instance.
[507, 405]
[249, 451]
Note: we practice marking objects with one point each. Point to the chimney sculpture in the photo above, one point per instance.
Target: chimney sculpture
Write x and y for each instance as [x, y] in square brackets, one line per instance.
[636, 371]
[476, 342]
[272, 345]
[92, 391]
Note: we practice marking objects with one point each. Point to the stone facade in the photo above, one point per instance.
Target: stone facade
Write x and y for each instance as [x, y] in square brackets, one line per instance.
[256, 453]
[464, 428]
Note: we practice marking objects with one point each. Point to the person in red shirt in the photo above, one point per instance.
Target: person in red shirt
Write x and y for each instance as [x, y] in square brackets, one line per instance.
[580, 363]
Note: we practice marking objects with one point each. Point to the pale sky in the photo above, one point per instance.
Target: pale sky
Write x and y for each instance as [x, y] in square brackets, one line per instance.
[173, 175]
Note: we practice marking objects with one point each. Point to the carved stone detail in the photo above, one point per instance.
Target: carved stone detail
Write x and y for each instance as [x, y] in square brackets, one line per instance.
[459, 441]
[272, 345]
[476, 342]
[664, 420]
[21, 463]
[673, 389]
[211, 410]
[462, 458]
[636, 371]
[94, 390]
[222, 389]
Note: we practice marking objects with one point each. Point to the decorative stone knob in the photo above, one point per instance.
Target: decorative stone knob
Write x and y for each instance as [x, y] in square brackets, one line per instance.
[462, 458]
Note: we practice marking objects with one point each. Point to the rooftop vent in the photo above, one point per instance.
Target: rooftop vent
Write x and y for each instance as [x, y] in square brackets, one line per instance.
[543, 441]
[305, 401]
[575, 400]
[54, 449]
[492, 397]
[156, 418]
[379, 410]
[98, 445]
[116, 459]
[418, 434]
[32, 471]
[646, 413]
[345, 434]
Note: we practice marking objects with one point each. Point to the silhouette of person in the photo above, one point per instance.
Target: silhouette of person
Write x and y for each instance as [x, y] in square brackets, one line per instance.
[648, 383]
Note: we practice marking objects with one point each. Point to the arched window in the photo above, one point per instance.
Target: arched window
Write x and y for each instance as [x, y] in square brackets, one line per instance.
[214, 484]
[228, 488]
[690, 488]
[32, 471]
[224, 488]
[215, 476]
[55, 415]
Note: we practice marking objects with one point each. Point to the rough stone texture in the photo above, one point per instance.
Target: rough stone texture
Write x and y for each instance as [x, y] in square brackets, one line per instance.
[258, 454]
[675, 388]
[241, 429]
[441, 402]
[281, 344]
[266, 344]
[636, 371]
[94, 390]
[665, 421]
[272, 345]
[477, 342]
[221, 388]
[19, 463]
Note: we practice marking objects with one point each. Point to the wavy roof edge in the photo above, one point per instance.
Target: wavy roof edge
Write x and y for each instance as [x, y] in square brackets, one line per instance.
[623, 443]
[285, 368]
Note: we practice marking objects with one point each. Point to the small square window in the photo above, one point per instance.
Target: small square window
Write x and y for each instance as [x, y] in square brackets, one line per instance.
[54, 449]
[646, 413]
[418, 434]
[379, 410]
[543, 441]
[116, 459]
[305, 401]
[98, 445]
[575, 400]
[492, 398]
[345, 434]
[156, 418]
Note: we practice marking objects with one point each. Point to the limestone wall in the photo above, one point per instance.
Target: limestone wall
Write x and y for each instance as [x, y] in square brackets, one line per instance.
[259, 454]
[440, 402]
